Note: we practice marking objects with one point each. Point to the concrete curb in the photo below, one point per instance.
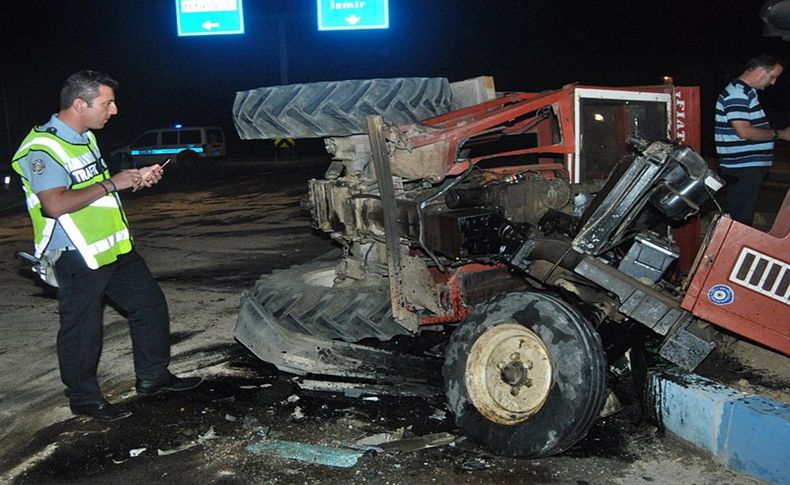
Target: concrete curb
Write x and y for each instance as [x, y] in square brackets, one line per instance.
[747, 433]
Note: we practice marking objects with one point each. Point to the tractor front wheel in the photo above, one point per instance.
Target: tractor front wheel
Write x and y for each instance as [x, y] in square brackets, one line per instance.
[525, 375]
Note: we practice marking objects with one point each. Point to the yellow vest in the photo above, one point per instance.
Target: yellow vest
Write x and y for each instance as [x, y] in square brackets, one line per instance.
[99, 231]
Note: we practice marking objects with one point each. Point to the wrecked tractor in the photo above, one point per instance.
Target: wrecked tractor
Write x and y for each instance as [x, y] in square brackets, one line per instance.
[538, 227]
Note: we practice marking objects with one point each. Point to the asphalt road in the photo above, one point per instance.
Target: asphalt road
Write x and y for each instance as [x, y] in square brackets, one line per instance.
[207, 235]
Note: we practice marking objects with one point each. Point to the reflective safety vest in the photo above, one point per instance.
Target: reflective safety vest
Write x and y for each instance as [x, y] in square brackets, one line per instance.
[99, 231]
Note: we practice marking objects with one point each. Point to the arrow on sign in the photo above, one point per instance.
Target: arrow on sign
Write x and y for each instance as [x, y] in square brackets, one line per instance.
[208, 25]
[353, 19]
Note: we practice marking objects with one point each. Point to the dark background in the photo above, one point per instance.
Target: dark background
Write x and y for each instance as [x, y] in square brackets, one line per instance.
[527, 45]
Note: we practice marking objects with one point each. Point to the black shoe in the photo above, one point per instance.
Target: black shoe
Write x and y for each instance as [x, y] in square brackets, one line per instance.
[102, 411]
[167, 383]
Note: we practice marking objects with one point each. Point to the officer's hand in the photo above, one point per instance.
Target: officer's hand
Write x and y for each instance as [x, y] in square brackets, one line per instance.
[784, 134]
[151, 175]
[128, 179]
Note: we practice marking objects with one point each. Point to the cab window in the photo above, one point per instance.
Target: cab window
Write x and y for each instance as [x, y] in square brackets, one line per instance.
[190, 137]
[169, 138]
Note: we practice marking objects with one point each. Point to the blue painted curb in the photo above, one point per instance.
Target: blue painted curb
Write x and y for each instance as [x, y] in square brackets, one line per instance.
[747, 433]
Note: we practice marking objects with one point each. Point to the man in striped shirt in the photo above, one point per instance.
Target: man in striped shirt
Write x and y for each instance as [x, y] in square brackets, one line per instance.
[744, 138]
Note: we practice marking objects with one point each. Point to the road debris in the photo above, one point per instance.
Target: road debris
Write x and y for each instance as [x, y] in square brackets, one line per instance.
[474, 465]
[177, 449]
[292, 450]
[358, 389]
[611, 406]
[379, 438]
[208, 435]
[419, 442]
[136, 452]
[297, 414]
[251, 423]
[255, 386]
[438, 415]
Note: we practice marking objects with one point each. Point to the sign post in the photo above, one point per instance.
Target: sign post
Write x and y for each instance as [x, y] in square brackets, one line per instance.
[353, 14]
[209, 17]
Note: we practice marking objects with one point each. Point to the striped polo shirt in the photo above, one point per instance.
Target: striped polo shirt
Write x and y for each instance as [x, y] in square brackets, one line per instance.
[738, 101]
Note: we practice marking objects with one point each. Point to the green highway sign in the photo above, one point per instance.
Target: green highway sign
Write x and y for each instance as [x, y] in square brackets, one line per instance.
[209, 17]
[353, 14]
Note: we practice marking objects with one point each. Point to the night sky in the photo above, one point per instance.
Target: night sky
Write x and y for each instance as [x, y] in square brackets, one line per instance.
[527, 45]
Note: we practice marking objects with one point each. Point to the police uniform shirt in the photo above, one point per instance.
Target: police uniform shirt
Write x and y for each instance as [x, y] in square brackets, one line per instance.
[45, 173]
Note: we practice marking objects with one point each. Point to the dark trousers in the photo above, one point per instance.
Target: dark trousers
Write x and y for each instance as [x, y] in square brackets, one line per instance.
[130, 286]
[743, 189]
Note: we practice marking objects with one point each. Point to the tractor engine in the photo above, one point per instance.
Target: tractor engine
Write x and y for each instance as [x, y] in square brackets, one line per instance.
[450, 223]
[606, 243]
[495, 220]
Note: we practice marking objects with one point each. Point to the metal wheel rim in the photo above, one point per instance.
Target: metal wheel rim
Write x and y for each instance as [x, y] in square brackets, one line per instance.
[508, 373]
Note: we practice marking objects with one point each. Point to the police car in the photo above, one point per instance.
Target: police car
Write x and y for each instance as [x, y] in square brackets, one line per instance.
[182, 144]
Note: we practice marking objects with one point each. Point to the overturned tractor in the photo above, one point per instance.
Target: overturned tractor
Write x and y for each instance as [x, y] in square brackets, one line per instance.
[536, 226]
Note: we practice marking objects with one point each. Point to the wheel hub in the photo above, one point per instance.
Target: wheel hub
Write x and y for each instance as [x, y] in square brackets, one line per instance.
[515, 374]
[508, 373]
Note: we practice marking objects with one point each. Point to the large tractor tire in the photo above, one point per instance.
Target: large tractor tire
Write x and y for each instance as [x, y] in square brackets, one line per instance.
[525, 375]
[336, 108]
[303, 300]
[296, 320]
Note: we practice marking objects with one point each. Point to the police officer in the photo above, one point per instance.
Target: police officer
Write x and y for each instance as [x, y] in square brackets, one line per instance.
[79, 224]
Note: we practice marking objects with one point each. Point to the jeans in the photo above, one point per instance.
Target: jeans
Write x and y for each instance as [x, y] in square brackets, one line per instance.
[130, 286]
[743, 189]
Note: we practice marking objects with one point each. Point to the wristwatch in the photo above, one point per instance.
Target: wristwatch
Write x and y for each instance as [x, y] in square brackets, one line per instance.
[776, 135]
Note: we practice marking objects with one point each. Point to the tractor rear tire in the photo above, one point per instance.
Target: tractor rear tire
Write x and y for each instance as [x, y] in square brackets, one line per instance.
[303, 299]
[336, 108]
[525, 375]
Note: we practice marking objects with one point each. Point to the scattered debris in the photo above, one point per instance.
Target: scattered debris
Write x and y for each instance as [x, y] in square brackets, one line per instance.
[255, 386]
[379, 438]
[348, 420]
[297, 414]
[357, 389]
[611, 406]
[177, 449]
[250, 423]
[136, 452]
[208, 435]
[622, 366]
[474, 465]
[231, 418]
[291, 450]
[292, 398]
[438, 415]
[419, 442]
[394, 440]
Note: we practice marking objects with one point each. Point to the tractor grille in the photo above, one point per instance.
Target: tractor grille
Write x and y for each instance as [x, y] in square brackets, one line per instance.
[762, 274]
